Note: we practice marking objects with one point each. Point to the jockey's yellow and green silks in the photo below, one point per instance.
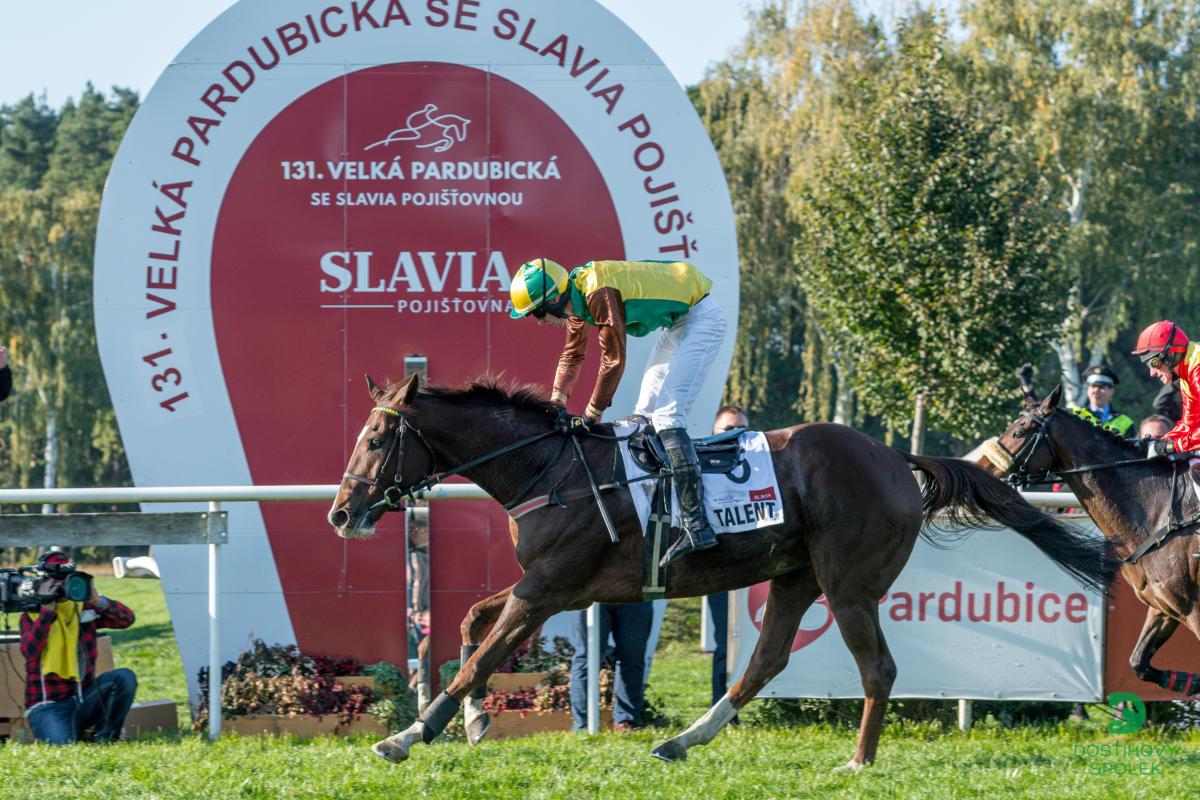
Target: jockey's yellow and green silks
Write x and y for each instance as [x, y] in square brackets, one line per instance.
[655, 293]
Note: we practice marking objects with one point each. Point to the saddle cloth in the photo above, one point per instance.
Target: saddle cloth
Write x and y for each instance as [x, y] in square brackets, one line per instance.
[744, 499]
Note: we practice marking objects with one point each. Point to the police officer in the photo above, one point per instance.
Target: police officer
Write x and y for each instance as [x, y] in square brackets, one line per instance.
[1101, 381]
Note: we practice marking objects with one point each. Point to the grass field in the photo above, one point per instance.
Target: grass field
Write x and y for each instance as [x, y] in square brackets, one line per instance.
[750, 761]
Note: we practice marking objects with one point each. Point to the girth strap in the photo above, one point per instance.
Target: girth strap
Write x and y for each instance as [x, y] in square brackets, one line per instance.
[1156, 538]
[557, 499]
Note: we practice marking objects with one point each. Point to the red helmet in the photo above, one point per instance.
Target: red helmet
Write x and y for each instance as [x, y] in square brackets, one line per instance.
[1159, 340]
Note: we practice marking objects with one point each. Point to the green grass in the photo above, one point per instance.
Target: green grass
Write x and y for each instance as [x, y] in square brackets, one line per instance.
[148, 646]
[746, 762]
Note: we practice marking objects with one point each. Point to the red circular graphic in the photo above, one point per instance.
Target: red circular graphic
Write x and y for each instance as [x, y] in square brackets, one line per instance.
[294, 365]
[757, 602]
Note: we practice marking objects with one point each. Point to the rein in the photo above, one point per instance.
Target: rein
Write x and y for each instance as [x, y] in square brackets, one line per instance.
[1022, 477]
[566, 425]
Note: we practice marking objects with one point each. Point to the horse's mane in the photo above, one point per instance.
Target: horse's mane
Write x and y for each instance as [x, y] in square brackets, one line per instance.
[488, 391]
[1130, 446]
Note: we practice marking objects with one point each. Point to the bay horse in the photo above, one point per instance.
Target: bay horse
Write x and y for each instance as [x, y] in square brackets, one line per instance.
[1134, 501]
[853, 511]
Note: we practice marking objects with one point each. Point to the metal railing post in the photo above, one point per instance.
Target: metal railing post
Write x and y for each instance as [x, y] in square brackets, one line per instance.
[214, 636]
[966, 714]
[593, 668]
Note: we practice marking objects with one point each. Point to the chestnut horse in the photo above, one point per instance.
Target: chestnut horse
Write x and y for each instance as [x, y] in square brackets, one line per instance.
[1134, 504]
[852, 507]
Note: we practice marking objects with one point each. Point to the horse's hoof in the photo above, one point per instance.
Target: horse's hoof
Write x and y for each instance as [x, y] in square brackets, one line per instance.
[852, 767]
[478, 728]
[670, 751]
[386, 749]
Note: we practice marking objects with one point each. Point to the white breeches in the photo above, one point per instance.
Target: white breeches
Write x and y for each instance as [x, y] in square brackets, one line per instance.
[679, 363]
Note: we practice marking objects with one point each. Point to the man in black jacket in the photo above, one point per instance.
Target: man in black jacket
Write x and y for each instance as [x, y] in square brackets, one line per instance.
[5, 375]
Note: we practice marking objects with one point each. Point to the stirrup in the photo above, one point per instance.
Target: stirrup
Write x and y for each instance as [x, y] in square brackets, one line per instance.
[684, 545]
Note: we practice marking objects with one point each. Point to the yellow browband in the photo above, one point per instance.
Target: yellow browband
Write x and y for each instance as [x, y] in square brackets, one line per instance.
[387, 410]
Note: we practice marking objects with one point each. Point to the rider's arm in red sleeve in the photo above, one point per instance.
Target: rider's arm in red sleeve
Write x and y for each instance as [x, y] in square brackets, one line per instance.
[1186, 435]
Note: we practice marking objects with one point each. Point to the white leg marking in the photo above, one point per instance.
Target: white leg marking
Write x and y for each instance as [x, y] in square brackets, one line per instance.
[395, 748]
[850, 766]
[476, 719]
[702, 731]
[705, 729]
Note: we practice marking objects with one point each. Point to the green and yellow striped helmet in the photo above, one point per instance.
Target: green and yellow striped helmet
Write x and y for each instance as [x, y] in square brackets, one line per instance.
[534, 284]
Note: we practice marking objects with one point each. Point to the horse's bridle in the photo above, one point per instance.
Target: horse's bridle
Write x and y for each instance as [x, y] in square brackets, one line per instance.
[1019, 475]
[394, 495]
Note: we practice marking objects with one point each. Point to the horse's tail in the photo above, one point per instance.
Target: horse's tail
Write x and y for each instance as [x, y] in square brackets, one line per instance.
[967, 495]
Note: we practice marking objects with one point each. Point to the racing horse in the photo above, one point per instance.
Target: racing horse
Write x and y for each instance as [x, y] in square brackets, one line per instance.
[1144, 506]
[852, 510]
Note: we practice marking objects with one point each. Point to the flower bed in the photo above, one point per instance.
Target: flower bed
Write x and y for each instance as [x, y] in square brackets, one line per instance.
[279, 689]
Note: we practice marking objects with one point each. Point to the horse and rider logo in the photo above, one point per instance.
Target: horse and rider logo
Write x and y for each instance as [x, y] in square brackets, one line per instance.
[1131, 716]
[439, 131]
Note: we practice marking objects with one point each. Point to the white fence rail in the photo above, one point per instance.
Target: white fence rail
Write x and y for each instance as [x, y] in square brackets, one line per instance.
[254, 494]
[213, 496]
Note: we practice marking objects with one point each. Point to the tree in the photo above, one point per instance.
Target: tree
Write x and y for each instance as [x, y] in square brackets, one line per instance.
[26, 141]
[1104, 93]
[59, 427]
[930, 257]
[769, 110]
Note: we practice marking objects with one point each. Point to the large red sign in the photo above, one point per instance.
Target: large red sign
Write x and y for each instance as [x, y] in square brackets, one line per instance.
[382, 214]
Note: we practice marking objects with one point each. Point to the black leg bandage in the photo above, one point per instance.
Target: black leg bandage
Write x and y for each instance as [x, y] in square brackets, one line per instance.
[465, 654]
[437, 716]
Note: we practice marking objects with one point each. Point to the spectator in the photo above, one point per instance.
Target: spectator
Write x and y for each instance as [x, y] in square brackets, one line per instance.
[418, 579]
[63, 695]
[728, 418]
[5, 375]
[1154, 426]
[1101, 383]
[629, 625]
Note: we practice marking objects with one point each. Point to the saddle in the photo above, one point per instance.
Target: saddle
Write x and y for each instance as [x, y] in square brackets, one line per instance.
[719, 454]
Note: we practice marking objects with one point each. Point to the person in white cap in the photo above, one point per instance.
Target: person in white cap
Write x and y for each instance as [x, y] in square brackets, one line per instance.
[1101, 382]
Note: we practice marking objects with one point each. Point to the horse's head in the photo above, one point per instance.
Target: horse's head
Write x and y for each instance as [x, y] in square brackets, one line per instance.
[389, 458]
[1024, 448]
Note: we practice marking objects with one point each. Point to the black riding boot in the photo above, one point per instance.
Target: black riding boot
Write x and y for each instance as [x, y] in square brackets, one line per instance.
[697, 534]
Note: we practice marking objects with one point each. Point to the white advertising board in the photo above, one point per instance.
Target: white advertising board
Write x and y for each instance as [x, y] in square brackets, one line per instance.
[990, 618]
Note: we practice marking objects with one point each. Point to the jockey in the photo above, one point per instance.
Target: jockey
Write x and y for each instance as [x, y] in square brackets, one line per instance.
[1164, 348]
[634, 298]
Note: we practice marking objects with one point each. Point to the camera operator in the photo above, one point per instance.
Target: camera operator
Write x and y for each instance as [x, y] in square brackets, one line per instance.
[5, 374]
[63, 695]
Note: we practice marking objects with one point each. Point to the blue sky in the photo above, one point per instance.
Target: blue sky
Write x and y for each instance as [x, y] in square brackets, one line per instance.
[57, 45]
